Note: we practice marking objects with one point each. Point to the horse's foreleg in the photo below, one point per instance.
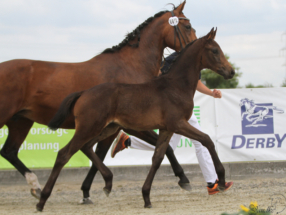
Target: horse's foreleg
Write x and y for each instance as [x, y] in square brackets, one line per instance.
[151, 137]
[18, 130]
[161, 147]
[101, 151]
[184, 128]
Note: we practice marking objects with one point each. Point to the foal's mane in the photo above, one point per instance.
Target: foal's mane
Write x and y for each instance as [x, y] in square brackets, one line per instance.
[131, 36]
[179, 55]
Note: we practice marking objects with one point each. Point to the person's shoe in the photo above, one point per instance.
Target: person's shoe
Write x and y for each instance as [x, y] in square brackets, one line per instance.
[215, 190]
[118, 144]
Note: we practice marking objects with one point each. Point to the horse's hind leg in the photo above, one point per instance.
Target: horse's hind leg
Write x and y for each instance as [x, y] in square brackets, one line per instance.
[18, 130]
[101, 151]
[97, 162]
[107, 135]
[151, 137]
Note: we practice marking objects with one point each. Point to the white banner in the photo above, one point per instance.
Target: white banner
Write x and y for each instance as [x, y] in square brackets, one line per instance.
[245, 125]
[251, 124]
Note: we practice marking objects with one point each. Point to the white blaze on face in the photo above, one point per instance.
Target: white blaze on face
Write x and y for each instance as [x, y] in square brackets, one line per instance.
[32, 180]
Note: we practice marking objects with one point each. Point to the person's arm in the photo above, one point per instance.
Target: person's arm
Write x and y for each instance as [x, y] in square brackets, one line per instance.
[205, 90]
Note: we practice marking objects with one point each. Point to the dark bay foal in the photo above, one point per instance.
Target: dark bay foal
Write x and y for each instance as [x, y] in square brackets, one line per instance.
[165, 103]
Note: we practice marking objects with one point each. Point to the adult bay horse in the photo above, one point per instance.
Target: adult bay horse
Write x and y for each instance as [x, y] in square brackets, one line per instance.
[32, 91]
[165, 103]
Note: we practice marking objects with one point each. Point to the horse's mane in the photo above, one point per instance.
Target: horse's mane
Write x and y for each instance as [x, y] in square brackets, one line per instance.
[131, 36]
[179, 55]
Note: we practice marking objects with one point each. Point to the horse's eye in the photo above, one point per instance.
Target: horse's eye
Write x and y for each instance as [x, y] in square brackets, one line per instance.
[215, 51]
[188, 27]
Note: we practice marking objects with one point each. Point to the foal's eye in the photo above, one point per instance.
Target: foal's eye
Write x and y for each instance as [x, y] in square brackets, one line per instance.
[188, 27]
[215, 51]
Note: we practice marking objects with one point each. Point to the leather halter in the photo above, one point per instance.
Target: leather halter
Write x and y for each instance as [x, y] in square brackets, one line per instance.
[178, 32]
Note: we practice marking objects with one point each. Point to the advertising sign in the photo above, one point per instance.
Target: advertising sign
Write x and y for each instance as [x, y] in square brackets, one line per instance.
[251, 124]
[41, 146]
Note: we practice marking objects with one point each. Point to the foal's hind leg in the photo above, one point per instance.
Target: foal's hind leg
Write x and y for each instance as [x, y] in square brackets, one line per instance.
[63, 157]
[18, 130]
[151, 137]
[101, 151]
[81, 140]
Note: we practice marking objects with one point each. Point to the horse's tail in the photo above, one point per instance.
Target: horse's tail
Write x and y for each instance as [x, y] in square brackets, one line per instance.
[64, 110]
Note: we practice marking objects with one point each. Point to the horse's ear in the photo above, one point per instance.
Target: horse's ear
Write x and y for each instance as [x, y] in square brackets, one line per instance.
[210, 35]
[215, 33]
[180, 8]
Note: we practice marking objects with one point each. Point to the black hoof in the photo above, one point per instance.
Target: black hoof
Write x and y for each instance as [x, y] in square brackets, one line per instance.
[86, 201]
[106, 191]
[221, 188]
[148, 206]
[185, 186]
[36, 193]
[39, 208]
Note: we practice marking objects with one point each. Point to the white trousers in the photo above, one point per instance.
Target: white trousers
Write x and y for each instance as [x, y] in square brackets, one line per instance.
[203, 155]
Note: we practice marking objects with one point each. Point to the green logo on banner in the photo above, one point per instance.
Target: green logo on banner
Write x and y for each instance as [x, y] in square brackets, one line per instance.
[41, 147]
[186, 142]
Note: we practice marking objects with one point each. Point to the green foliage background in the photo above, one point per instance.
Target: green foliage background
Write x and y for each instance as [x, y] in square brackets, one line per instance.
[214, 81]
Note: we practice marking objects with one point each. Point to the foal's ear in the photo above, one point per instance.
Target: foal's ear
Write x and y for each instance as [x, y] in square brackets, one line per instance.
[180, 8]
[211, 35]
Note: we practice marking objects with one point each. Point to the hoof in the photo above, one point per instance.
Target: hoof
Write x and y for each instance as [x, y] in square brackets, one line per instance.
[39, 208]
[185, 186]
[148, 206]
[36, 193]
[106, 191]
[86, 201]
[221, 188]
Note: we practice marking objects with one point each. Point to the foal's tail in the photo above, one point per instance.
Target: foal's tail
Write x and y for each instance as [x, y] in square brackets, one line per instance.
[64, 110]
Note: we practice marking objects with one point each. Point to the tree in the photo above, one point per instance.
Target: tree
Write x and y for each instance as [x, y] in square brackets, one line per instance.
[250, 85]
[213, 80]
[284, 83]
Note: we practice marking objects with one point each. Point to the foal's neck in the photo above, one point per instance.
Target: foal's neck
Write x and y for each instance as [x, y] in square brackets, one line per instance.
[185, 72]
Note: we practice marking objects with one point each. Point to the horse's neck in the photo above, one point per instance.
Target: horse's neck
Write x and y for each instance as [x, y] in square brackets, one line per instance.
[145, 59]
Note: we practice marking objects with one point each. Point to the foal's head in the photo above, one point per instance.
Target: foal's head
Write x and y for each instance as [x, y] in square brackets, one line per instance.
[213, 57]
[182, 29]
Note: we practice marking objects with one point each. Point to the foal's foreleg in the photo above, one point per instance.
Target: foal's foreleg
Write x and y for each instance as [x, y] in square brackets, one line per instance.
[151, 137]
[184, 128]
[161, 147]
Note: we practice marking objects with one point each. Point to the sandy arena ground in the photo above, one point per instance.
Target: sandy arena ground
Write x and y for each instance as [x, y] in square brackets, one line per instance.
[125, 198]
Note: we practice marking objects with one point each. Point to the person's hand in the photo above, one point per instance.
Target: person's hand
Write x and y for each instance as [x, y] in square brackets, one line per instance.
[216, 93]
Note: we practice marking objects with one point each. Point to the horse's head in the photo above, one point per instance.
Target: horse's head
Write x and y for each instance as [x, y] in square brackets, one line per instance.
[178, 31]
[213, 57]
